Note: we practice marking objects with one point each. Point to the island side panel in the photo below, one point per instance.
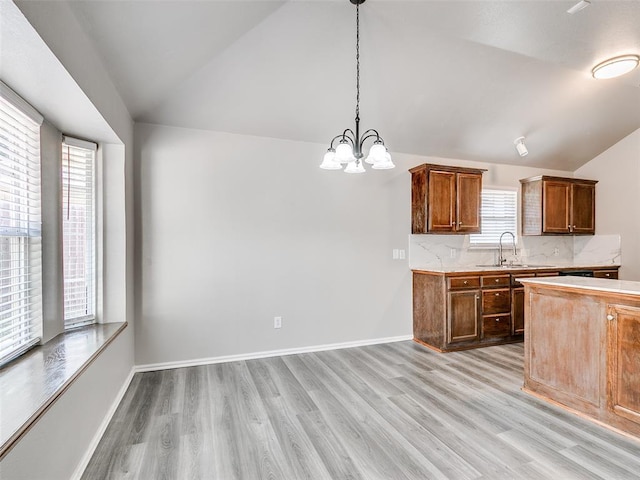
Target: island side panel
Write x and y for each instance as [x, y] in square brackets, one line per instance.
[624, 362]
[429, 309]
[565, 347]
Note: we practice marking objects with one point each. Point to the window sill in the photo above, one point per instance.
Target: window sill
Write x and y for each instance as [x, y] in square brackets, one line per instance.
[32, 383]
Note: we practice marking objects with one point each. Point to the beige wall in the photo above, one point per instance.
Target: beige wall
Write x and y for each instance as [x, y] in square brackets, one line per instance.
[618, 198]
[234, 230]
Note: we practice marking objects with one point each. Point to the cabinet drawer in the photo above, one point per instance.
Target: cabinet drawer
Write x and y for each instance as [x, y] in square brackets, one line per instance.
[489, 281]
[464, 282]
[496, 301]
[547, 274]
[515, 283]
[613, 274]
[496, 326]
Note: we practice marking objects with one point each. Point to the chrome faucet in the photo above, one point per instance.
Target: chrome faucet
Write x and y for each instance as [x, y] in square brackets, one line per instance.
[501, 259]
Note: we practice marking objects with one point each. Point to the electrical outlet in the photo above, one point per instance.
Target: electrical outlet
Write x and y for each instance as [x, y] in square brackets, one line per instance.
[452, 252]
[396, 254]
[556, 252]
[277, 322]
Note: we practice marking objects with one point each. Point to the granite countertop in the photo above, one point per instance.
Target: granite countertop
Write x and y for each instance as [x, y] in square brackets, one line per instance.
[508, 268]
[627, 287]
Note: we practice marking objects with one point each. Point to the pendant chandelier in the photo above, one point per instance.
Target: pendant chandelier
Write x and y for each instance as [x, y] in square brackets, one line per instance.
[348, 149]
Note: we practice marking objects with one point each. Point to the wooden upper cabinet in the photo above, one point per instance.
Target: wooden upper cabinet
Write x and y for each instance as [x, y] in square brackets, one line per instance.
[468, 202]
[556, 198]
[441, 201]
[445, 199]
[555, 205]
[583, 208]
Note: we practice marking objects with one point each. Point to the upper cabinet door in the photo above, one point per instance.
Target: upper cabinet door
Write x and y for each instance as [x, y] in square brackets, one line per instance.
[556, 207]
[419, 201]
[441, 201]
[469, 190]
[583, 208]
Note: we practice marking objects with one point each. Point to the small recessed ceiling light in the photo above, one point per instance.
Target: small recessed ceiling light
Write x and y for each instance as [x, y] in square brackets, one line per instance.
[581, 5]
[614, 67]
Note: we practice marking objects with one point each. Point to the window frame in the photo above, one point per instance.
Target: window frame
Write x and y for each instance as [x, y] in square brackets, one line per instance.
[27, 210]
[492, 245]
[81, 146]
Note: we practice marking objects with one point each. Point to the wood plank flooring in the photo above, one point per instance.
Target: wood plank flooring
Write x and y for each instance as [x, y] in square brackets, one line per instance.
[382, 412]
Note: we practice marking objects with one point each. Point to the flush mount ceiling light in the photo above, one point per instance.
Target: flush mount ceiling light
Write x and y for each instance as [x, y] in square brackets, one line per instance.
[581, 5]
[520, 146]
[349, 148]
[615, 67]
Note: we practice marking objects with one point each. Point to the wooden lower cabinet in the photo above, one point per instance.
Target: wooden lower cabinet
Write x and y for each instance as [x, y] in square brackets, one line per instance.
[612, 274]
[517, 310]
[623, 372]
[496, 312]
[463, 311]
[496, 326]
[463, 316]
[474, 309]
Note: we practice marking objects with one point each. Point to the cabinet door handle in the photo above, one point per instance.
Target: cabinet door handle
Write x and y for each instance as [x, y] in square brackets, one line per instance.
[610, 317]
[607, 274]
[497, 294]
[465, 282]
[497, 280]
[459, 224]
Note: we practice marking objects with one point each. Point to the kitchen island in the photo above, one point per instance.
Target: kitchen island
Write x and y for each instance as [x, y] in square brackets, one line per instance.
[582, 347]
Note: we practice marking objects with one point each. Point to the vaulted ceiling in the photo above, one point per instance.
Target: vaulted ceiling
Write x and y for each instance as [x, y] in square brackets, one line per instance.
[451, 79]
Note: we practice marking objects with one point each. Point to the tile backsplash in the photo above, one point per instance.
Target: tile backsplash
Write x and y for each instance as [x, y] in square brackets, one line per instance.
[447, 251]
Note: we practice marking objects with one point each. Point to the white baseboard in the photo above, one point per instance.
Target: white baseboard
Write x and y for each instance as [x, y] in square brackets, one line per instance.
[273, 353]
[103, 427]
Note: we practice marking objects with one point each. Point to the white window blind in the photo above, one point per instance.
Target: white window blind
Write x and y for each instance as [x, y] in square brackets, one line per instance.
[499, 214]
[20, 226]
[79, 239]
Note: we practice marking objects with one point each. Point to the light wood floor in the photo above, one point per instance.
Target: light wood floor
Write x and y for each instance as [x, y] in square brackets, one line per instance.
[382, 412]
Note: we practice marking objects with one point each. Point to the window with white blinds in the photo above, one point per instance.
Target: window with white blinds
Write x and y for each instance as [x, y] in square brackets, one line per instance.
[79, 231]
[20, 226]
[499, 214]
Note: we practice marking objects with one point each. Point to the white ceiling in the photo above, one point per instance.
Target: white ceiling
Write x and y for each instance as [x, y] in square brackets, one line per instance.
[439, 78]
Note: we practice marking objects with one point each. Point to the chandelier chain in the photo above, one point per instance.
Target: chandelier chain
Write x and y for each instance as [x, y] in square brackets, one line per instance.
[357, 61]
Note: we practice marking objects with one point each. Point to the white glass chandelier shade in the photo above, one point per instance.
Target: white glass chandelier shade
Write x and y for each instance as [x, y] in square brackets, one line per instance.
[385, 164]
[329, 161]
[377, 153]
[615, 67]
[344, 153]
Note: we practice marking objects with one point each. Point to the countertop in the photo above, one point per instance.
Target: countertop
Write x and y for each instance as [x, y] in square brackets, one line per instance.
[626, 287]
[509, 269]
